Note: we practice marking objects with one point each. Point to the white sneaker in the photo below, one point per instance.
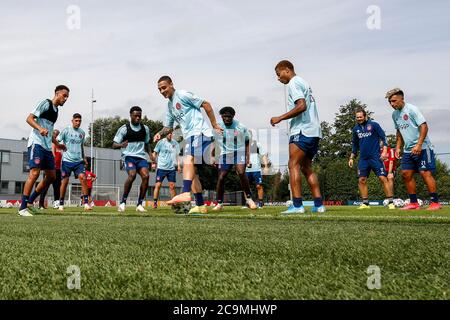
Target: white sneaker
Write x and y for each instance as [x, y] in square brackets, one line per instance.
[218, 207]
[251, 204]
[140, 208]
[61, 208]
[25, 213]
[87, 207]
[121, 207]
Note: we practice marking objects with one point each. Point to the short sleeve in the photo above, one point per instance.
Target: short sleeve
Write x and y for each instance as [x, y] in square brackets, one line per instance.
[295, 89]
[61, 136]
[262, 151]
[191, 100]
[418, 117]
[170, 120]
[120, 134]
[395, 122]
[41, 108]
[147, 134]
[158, 147]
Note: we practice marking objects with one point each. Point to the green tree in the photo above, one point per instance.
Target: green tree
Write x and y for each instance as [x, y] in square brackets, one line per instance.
[106, 128]
[341, 140]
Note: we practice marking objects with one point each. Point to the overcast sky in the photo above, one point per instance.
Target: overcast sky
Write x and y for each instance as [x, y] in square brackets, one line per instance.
[225, 52]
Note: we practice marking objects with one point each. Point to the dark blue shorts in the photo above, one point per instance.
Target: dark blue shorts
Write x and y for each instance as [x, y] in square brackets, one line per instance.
[40, 158]
[367, 165]
[227, 161]
[309, 145]
[170, 174]
[426, 161]
[135, 163]
[68, 167]
[199, 147]
[255, 177]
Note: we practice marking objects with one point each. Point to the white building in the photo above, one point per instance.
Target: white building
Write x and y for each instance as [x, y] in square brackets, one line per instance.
[107, 166]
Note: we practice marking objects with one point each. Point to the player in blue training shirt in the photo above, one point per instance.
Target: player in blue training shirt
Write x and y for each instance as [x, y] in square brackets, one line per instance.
[166, 155]
[42, 120]
[366, 137]
[305, 134]
[73, 160]
[232, 149]
[418, 154]
[258, 160]
[184, 108]
[133, 139]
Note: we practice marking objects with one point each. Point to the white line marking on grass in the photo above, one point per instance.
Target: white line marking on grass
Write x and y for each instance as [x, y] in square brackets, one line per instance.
[370, 217]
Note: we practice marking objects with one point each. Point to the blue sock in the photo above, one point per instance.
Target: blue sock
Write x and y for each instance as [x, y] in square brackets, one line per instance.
[318, 202]
[187, 185]
[85, 199]
[124, 198]
[24, 203]
[434, 197]
[413, 198]
[298, 202]
[199, 199]
[61, 202]
[33, 196]
[140, 201]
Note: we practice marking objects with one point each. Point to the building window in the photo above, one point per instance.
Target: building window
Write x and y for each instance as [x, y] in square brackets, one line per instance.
[19, 187]
[4, 186]
[5, 156]
[25, 166]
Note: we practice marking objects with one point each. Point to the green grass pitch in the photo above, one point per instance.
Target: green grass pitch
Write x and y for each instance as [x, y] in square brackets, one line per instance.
[236, 254]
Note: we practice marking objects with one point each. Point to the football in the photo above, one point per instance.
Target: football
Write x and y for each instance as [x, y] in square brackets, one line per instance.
[182, 207]
[399, 203]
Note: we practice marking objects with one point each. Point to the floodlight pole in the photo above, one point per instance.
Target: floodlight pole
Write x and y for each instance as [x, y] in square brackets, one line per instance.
[92, 129]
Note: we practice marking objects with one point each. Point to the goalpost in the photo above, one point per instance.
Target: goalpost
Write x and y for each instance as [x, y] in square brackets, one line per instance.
[102, 194]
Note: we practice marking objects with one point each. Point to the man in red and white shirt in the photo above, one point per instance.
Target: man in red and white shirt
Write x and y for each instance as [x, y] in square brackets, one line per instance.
[90, 178]
[390, 165]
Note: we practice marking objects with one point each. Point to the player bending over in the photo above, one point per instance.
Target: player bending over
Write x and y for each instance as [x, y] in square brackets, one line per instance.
[233, 150]
[184, 108]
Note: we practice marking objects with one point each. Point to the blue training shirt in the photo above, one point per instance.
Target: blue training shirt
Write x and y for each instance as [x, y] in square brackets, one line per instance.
[233, 139]
[408, 120]
[35, 137]
[185, 109]
[134, 149]
[74, 140]
[366, 138]
[307, 122]
[168, 152]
